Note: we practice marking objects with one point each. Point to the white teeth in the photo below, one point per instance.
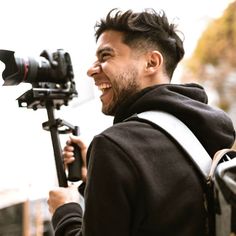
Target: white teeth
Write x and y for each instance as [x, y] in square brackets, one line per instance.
[104, 86]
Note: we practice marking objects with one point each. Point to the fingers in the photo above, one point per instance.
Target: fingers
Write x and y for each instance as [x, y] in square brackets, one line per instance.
[60, 196]
[68, 153]
[82, 146]
[78, 141]
[55, 200]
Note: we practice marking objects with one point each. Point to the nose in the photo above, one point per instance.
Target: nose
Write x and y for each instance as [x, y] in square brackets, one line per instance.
[94, 69]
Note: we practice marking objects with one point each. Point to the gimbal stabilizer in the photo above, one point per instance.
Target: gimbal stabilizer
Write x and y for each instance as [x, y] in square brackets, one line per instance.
[45, 98]
[52, 79]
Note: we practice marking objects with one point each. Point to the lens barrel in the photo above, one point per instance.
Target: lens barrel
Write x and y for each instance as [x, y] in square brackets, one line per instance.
[50, 67]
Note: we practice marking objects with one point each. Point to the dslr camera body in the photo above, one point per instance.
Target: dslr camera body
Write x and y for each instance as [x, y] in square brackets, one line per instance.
[51, 76]
[52, 79]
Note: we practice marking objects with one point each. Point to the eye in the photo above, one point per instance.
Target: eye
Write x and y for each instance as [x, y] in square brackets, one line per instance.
[104, 56]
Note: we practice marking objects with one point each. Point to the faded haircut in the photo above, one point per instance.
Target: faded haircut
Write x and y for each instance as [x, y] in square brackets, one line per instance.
[147, 30]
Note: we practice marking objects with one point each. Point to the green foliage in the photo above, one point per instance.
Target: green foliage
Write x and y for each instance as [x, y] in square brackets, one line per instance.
[218, 42]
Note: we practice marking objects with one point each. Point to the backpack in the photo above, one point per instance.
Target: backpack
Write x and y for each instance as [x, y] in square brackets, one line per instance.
[219, 172]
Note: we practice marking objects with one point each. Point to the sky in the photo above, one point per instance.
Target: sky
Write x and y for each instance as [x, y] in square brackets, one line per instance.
[28, 27]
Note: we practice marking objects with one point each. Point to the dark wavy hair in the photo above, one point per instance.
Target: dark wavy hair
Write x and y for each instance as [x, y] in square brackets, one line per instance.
[147, 30]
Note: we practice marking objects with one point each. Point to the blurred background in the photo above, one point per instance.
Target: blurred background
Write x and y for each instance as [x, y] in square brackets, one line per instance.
[28, 27]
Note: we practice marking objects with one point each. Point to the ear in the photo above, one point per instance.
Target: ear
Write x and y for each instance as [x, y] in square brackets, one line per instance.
[154, 61]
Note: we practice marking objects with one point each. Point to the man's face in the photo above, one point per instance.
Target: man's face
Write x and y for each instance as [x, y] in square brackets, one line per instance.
[117, 71]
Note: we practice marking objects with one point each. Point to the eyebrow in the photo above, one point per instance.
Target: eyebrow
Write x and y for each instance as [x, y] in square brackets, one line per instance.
[105, 49]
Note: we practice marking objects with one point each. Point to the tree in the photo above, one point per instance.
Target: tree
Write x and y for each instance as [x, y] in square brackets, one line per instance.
[217, 44]
[214, 59]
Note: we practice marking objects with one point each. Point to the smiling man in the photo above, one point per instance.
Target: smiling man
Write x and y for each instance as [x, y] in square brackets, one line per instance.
[121, 71]
[138, 181]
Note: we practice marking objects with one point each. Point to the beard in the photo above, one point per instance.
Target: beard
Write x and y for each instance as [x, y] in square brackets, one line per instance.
[124, 85]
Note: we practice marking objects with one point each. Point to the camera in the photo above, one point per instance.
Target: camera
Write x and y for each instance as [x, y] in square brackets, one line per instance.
[51, 76]
[52, 79]
[49, 67]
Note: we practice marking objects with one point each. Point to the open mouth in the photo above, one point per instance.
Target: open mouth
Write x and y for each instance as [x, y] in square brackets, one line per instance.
[104, 87]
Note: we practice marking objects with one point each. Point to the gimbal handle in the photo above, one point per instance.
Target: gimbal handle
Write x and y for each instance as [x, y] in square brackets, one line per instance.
[74, 169]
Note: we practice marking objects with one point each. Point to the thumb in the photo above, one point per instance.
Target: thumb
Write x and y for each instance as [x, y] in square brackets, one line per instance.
[75, 139]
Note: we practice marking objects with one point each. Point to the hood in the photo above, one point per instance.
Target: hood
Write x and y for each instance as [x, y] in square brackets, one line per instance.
[188, 102]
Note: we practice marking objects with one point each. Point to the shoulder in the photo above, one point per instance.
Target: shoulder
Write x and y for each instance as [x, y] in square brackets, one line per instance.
[119, 141]
[127, 137]
[127, 128]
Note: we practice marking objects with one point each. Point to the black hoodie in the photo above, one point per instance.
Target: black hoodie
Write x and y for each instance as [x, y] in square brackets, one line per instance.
[140, 182]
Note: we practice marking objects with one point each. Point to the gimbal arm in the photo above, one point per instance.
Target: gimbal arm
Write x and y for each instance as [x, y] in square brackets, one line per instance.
[53, 128]
[74, 169]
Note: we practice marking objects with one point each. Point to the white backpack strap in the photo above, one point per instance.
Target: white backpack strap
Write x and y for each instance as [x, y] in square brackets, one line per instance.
[183, 135]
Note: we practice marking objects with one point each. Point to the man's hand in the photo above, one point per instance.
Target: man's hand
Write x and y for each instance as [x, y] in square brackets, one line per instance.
[68, 154]
[60, 196]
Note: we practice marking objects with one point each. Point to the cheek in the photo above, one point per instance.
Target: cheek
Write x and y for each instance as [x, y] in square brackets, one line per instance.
[113, 76]
[112, 67]
[109, 69]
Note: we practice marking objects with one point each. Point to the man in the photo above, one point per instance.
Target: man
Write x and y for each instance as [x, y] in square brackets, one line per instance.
[139, 181]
